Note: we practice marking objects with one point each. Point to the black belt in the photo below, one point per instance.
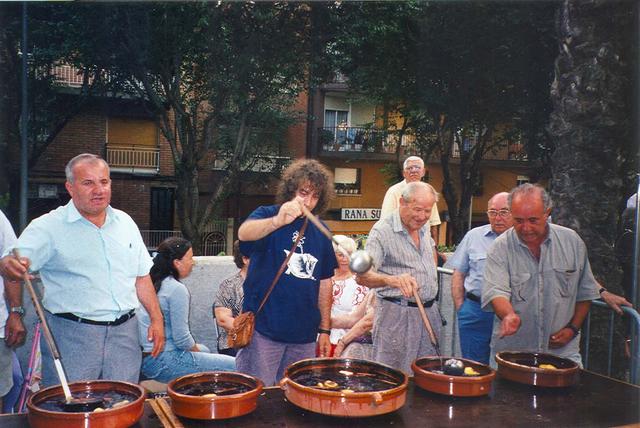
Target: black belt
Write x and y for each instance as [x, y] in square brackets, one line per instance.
[120, 320]
[401, 301]
[473, 297]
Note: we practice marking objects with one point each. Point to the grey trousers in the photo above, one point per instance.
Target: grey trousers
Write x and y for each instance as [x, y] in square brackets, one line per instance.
[267, 359]
[91, 352]
[399, 335]
[6, 369]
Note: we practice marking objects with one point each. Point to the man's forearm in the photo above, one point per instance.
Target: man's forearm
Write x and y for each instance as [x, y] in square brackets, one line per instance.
[325, 299]
[13, 293]
[580, 313]
[252, 230]
[502, 307]
[374, 279]
[457, 288]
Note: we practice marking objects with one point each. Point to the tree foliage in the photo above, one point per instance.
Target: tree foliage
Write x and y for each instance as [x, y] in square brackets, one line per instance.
[454, 71]
[50, 107]
[219, 79]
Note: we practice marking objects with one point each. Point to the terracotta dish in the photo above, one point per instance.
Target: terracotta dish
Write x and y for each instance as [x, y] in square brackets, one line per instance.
[120, 416]
[344, 387]
[523, 367]
[426, 377]
[236, 394]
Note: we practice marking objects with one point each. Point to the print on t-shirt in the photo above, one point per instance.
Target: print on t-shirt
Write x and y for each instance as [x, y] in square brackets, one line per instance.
[301, 265]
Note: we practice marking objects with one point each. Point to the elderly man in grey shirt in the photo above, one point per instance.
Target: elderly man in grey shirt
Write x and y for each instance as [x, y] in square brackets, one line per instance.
[537, 280]
[404, 260]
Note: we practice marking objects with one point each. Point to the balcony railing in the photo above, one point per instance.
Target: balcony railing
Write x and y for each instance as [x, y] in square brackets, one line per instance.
[133, 158]
[361, 139]
[68, 75]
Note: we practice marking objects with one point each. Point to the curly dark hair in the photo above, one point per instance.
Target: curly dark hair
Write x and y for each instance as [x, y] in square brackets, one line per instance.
[169, 250]
[309, 171]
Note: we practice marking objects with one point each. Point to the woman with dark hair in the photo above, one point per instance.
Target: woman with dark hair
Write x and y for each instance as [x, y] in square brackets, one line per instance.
[181, 354]
[228, 302]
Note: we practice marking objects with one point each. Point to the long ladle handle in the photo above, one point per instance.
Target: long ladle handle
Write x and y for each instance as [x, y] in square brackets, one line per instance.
[427, 323]
[322, 228]
[46, 332]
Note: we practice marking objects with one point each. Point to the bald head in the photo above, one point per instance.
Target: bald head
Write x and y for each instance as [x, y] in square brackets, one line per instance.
[499, 213]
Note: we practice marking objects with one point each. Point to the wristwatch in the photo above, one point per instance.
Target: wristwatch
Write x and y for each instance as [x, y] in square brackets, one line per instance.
[573, 328]
[17, 310]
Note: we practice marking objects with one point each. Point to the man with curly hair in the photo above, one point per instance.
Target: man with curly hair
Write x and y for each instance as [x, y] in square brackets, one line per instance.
[298, 309]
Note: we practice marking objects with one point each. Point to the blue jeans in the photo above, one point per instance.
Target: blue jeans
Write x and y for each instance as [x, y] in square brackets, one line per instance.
[475, 327]
[173, 364]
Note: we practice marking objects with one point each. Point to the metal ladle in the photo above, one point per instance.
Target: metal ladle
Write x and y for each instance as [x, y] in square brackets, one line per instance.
[70, 404]
[359, 262]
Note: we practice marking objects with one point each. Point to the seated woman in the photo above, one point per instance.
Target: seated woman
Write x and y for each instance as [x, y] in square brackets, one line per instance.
[181, 354]
[347, 293]
[356, 342]
[228, 302]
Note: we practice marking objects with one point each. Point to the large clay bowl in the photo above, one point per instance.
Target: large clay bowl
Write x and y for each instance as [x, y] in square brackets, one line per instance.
[218, 407]
[523, 367]
[457, 386]
[120, 417]
[343, 402]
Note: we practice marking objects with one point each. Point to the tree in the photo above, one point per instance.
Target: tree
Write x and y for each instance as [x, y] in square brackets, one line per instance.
[49, 108]
[458, 74]
[218, 78]
[591, 126]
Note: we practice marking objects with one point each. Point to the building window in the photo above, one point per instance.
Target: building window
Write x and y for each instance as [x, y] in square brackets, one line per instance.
[337, 122]
[132, 132]
[347, 181]
[521, 179]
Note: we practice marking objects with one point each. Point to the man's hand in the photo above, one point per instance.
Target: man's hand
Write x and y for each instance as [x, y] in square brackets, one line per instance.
[14, 331]
[155, 334]
[289, 211]
[324, 345]
[561, 338]
[615, 301]
[510, 325]
[13, 268]
[405, 283]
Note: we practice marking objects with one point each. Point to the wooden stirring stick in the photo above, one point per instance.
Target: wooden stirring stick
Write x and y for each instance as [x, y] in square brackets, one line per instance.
[427, 323]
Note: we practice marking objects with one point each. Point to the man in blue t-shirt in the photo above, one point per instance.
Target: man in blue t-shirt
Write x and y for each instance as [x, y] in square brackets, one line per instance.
[298, 309]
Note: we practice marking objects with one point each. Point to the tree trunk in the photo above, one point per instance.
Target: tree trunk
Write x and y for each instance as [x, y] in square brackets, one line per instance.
[591, 98]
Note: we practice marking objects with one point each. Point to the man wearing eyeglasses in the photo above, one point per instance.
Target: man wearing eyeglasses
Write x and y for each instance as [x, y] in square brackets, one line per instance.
[412, 170]
[475, 325]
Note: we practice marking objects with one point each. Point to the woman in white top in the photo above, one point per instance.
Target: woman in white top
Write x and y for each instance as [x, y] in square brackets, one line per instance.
[347, 293]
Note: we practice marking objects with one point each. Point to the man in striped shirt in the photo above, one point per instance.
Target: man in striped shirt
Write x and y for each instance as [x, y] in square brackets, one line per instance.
[402, 251]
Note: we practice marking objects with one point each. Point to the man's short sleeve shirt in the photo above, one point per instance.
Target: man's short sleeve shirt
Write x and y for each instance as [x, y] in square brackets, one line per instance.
[87, 270]
[291, 313]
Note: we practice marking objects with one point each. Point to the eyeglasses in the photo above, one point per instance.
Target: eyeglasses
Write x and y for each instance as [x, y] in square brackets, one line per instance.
[502, 213]
[413, 168]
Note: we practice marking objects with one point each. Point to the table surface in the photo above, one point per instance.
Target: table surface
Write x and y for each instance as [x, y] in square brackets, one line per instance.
[595, 401]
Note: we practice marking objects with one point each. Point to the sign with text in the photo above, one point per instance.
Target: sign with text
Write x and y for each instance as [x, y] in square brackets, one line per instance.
[360, 214]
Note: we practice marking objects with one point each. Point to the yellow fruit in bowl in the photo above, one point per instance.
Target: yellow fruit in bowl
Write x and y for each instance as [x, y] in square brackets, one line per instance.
[547, 366]
[469, 371]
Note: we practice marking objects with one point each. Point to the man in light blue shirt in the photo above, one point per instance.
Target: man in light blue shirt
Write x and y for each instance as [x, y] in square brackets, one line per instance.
[95, 270]
[475, 325]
